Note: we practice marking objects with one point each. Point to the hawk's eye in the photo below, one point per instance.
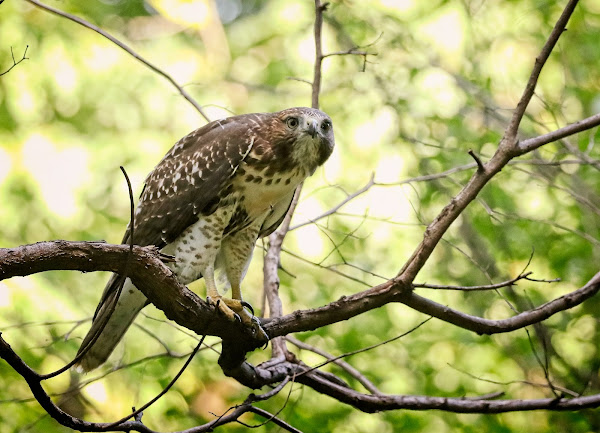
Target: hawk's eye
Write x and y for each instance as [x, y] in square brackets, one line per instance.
[325, 125]
[292, 122]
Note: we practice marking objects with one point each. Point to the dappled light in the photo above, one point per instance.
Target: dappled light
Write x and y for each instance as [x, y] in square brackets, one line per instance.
[439, 271]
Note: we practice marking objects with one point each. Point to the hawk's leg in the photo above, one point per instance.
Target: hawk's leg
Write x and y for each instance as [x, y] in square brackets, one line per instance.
[238, 305]
[213, 296]
[236, 252]
[196, 251]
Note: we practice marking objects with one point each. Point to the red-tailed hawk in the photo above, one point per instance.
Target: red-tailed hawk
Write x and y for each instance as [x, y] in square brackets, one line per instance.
[207, 201]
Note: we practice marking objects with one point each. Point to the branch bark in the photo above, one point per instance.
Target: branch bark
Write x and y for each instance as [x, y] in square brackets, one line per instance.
[147, 272]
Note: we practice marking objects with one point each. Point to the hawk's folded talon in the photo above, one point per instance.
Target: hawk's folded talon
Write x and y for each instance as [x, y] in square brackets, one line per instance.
[248, 306]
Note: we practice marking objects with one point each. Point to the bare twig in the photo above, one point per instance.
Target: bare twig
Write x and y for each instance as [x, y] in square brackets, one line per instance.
[477, 160]
[511, 131]
[126, 48]
[361, 378]
[273, 419]
[16, 62]
[334, 209]
[316, 83]
[164, 391]
[511, 282]
[84, 350]
[371, 347]
[512, 382]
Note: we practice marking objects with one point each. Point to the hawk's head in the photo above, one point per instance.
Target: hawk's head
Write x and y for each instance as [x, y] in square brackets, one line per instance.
[307, 133]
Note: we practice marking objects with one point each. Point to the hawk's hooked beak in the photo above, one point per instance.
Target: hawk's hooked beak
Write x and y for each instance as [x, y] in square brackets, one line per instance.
[312, 128]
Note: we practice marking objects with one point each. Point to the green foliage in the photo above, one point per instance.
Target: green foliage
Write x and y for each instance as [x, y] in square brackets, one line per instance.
[444, 78]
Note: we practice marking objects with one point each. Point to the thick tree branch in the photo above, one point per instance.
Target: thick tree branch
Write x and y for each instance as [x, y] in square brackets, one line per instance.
[184, 307]
[146, 271]
[375, 403]
[383, 402]
[507, 150]
[349, 306]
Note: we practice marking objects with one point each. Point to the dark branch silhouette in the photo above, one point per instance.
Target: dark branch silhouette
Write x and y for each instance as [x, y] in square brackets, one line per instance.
[16, 62]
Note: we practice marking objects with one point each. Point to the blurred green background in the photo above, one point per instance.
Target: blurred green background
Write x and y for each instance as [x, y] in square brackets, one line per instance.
[442, 79]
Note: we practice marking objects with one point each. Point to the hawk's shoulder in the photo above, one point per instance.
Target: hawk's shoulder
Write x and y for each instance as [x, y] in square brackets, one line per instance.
[191, 179]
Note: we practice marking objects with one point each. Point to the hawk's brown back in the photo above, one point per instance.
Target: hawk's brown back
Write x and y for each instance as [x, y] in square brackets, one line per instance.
[190, 180]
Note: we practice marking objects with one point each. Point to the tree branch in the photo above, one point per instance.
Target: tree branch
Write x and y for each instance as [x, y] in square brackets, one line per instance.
[508, 283]
[582, 125]
[507, 150]
[146, 270]
[316, 83]
[560, 26]
[16, 62]
[125, 48]
[349, 306]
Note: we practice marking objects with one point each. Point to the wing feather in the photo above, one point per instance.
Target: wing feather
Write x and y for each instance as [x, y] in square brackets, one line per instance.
[190, 180]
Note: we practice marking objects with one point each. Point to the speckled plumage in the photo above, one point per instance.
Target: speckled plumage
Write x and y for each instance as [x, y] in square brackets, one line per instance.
[209, 199]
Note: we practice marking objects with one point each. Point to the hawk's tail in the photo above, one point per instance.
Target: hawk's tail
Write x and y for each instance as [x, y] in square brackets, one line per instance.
[110, 326]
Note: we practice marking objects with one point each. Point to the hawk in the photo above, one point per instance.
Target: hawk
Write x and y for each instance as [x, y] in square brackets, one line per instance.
[206, 203]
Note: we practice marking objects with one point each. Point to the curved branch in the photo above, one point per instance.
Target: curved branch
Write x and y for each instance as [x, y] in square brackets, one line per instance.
[370, 403]
[34, 380]
[145, 269]
[374, 403]
[184, 307]
[124, 47]
[521, 320]
[582, 125]
[392, 291]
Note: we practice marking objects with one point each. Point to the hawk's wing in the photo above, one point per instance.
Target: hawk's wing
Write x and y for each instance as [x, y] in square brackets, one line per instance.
[190, 180]
[276, 216]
